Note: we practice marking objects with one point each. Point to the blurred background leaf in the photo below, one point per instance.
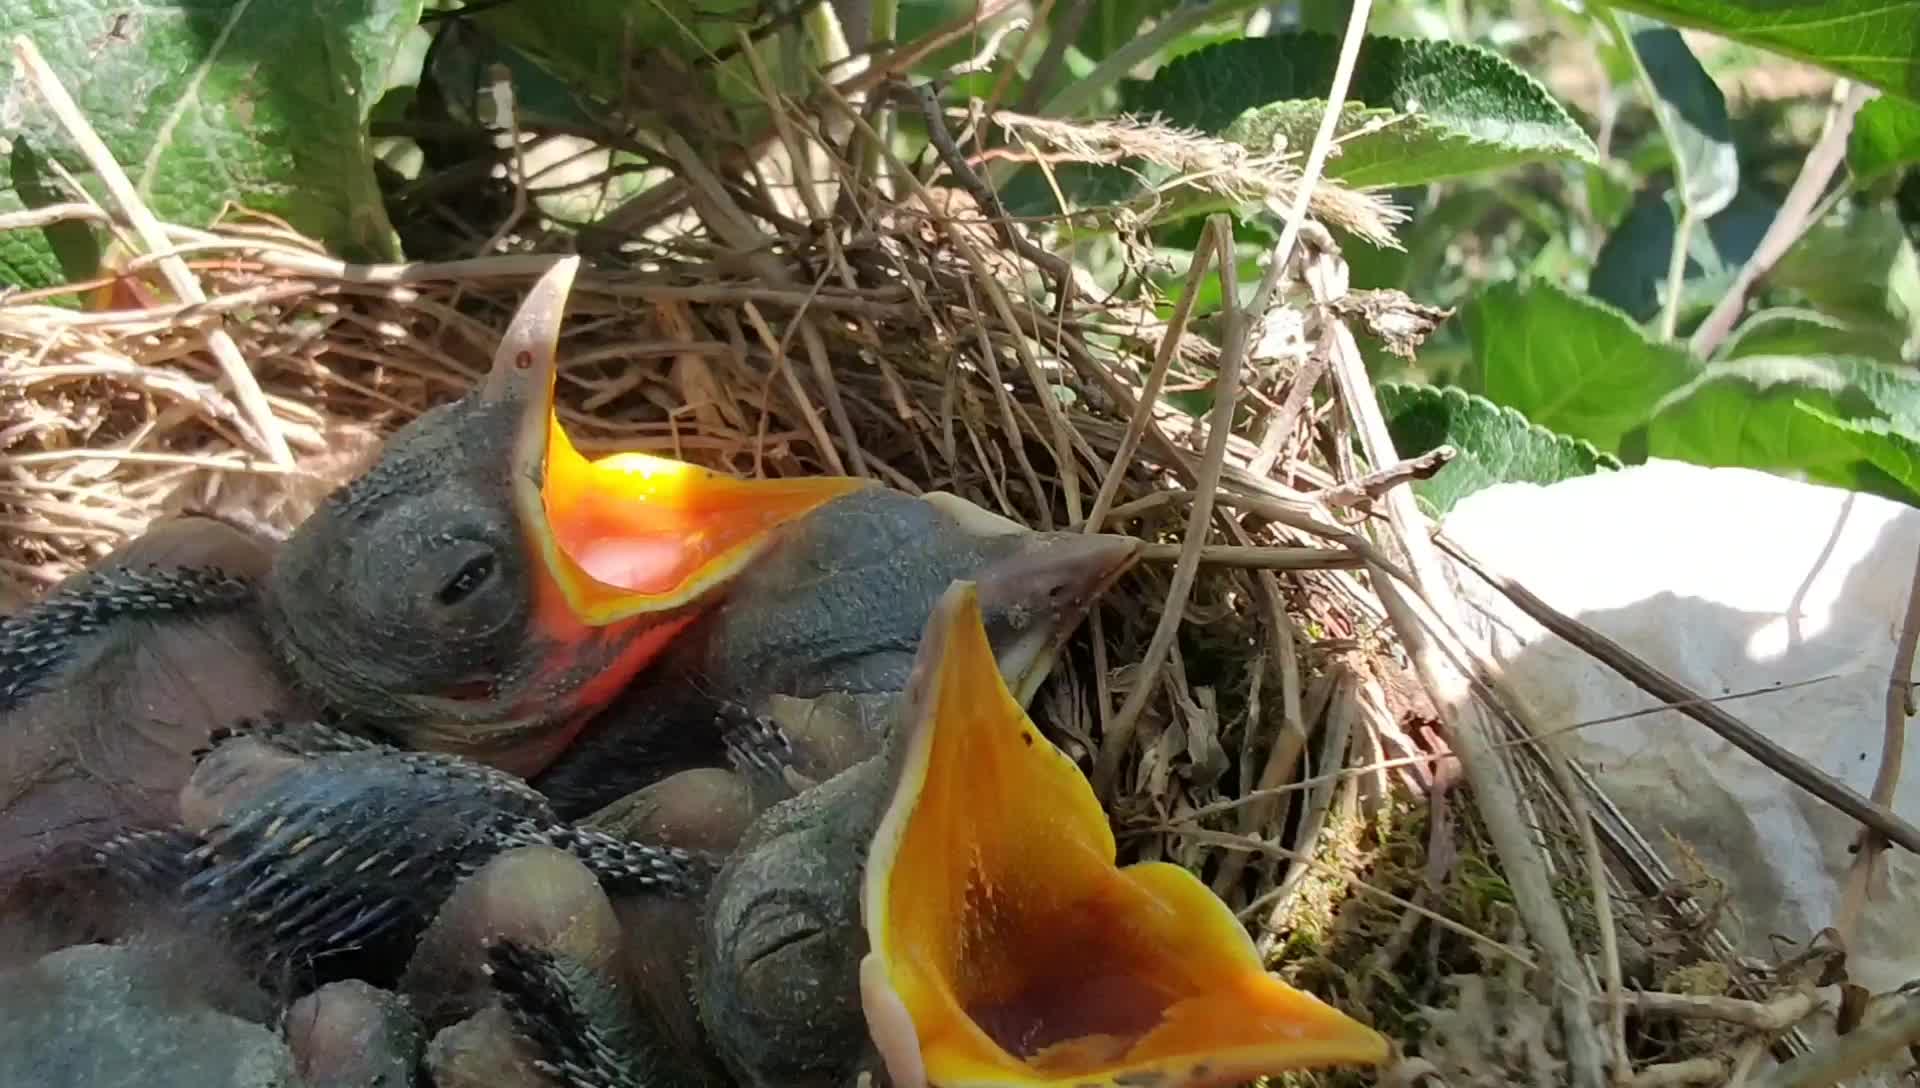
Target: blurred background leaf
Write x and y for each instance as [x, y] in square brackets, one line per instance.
[197, 103]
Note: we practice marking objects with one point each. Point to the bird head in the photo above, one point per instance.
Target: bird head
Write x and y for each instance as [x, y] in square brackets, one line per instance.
[484, 586]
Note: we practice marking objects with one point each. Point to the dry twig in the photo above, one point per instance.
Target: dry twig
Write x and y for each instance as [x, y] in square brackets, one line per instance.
[1869, 846]
[1897, 1028]
[1793, 219]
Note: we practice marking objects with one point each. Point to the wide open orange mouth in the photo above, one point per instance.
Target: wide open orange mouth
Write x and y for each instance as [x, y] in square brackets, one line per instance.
[1022, 956]
[630, 533]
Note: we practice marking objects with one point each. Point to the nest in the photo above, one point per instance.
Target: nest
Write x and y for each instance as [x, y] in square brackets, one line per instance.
[1262, 700]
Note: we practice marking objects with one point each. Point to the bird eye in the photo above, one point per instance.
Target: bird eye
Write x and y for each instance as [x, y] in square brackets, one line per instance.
[470, 577]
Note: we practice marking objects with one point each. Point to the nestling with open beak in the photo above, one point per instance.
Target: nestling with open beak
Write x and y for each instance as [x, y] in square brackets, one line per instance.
[483, 589]
[818, 640]
[953, 906]
[836, 605]
[949, 912]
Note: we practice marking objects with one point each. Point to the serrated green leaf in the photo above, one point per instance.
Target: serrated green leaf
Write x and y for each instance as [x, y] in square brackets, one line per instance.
[1795, 331]
[1386, 153]
[1882, 443]
[1691, 111]
[1466, 111]
[1885, 138]
[1875, 41]
[1568, 363]
[1493, 444]
[206, 103]
[1477, 111]
[1748, 413]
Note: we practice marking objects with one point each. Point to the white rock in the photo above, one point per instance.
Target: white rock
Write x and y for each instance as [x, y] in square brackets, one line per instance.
[1729, 581]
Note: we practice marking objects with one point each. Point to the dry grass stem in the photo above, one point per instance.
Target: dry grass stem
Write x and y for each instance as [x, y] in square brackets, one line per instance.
[1205, 165]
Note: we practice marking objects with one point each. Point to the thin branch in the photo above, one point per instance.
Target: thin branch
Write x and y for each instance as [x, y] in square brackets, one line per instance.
[1792, 221]
[989, 201]
[1444, 673]
[1365, 489]
[1899, 708]
[1054, 266]
[984, 57]
[1258, 558]
[48, 214]
[1677, 271]
[1444, 662]
[1896, 1029]
[506, 140]
[1769, 1016]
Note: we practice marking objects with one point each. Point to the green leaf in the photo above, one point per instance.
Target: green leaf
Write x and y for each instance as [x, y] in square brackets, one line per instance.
[1857, 264]
[1471, 110]
[1493, 444]
[1609, 192]
[204, 104]
[1691, 111]
[1109, 24]
[1885, 138]
[1567, 362]
[1876, 41]
[1796, 331]
[645, 52]
[1630, 271]
[1750, 413]
[1882, 443]
[1461, 110]
[1386, 153]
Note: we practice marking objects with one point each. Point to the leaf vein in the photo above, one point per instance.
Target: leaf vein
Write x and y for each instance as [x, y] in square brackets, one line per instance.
[189, 97]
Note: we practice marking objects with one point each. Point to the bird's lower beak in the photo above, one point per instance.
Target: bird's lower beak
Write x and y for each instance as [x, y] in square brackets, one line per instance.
[1002, 931]
[629, 534]
[632, 533]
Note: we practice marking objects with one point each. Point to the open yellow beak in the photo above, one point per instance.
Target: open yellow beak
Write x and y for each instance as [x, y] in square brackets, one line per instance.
[1021, 955]
[631, 533]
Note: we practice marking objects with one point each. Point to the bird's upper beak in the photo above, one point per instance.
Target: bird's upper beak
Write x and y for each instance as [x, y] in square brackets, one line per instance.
[1008, 950]
[628, 534]
[1056, 580]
